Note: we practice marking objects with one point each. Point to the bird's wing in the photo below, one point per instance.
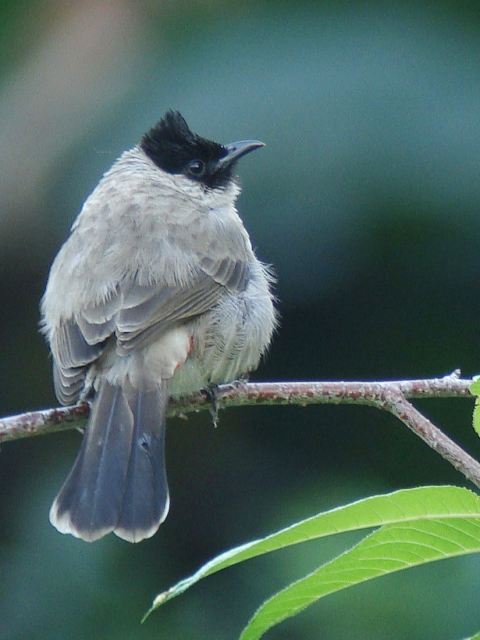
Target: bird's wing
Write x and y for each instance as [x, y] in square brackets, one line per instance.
[135, 315]
[148, 311]
[71, 356]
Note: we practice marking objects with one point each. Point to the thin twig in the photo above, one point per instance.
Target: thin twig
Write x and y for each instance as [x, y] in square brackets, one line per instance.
[399, 406]
[390, 396]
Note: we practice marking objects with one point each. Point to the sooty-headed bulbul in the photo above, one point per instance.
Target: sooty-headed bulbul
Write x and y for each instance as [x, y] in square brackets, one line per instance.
[156, 293]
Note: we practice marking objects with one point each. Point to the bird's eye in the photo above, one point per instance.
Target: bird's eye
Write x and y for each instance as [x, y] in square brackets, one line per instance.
[196, 168]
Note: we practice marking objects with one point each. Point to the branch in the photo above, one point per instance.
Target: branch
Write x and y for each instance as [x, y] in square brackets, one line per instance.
[390, 396]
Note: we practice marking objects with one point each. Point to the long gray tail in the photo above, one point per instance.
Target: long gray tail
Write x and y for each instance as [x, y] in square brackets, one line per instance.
[118, 482]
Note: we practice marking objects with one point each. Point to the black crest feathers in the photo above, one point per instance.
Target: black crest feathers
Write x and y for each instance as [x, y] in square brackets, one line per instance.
[173, 147]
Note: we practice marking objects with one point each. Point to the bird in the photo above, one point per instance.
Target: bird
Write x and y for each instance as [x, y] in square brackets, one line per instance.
[156, 294]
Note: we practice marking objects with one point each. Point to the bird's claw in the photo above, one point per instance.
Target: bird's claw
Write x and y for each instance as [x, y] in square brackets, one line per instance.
[239, 384]
[212, 392]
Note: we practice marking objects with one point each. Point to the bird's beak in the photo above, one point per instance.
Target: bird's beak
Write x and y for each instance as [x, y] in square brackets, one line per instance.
[235, 150]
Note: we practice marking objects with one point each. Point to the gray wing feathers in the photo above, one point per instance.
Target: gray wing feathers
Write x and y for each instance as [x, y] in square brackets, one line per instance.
[138, 325]
[69, 347]
[68, 384]
[136, 314]
[101, 313]
[97, 321]
[166, 306]
[95, 333]
[228, 272]
[71, 354]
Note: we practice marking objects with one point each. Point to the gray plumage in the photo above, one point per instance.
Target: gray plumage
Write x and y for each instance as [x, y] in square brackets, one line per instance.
[156, 293]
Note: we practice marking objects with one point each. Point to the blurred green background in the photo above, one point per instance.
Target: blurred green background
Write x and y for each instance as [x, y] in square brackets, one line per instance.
[365, 200]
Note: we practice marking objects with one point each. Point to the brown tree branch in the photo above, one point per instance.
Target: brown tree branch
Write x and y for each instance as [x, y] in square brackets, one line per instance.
[391, 396]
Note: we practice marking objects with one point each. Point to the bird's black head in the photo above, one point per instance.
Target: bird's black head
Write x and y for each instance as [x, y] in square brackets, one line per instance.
[173, 147]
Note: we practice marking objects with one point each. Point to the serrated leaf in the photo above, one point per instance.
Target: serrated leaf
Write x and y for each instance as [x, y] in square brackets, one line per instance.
[476, 416]
[390, 549]
[475, 386]
[475, 391]
[400, 506]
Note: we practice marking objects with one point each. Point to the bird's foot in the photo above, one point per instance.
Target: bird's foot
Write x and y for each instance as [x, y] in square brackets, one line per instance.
[238, 384]
[212, 396]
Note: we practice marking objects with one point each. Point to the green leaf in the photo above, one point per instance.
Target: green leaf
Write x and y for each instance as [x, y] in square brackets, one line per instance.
[389, 549]
[475, 386]
[401, 506]
[475, 391]
[475, 637]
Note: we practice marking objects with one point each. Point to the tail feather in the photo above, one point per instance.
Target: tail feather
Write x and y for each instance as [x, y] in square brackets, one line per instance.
[89, 502]
[146, 500]
[118, 482]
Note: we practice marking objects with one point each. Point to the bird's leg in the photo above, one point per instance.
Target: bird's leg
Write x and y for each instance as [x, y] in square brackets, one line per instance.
[86, 397]
[212, 392]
